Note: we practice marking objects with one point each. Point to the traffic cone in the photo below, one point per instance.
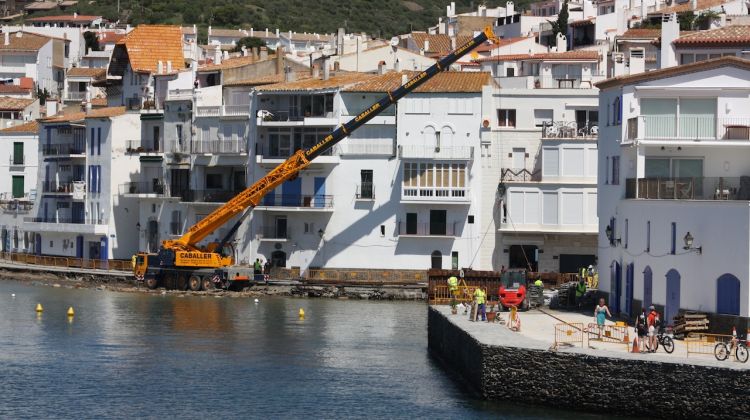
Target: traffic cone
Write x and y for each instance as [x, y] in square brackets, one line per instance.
[635, 345]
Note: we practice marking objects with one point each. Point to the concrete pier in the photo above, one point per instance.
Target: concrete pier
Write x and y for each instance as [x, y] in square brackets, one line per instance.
[506, 366]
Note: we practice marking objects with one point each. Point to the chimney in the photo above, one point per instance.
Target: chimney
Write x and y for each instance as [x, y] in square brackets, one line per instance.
[670, 30]
[482, 10]
[226, 55]
[159, 67]
[509, 8]
[426, 45]
[326, 68]
[562, 42]
[694, 5]
[279, 57]
[252, 32]
[397, 65]
[256, 53]
[315, 71]
[75, 15]
[7, 38]
[340, 41]
[19, 34]
[381, 67]
[637, 60]
[217, 54]
[290, 35]
[289, 74]
[453, 43]
[453, 8]
[266, 32]
[169, 66]
[404, 79]
[209, 30]
[264, 53]
[277, 32]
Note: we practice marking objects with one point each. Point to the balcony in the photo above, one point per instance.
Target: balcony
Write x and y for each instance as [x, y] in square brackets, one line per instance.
[569, 131]
[299, 203]
[520, 175]
[242, 110]
[64, 149]
[63, 224]
[144, 146]
[295, 116]
[682, 128]
[153, 189]
[274, 233]
[17, 160]
[275, 156]
[146, 106]
[218, 147]
[365, 191]
[75, 189]
[550, 82]
[699, 188]
[16, 206]
[436, 153]
[208, 196]
[75, 96]
[445, 195]
[427, 230]
[179, 94]
[353, 148]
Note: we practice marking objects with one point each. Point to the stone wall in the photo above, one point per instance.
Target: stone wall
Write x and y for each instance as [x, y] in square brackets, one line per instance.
[584, 382]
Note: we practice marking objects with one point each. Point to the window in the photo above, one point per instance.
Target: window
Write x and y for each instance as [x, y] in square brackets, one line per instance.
[510, 72]
[434, 179]
[175, 226]
[17, 186]
[99, 141]
[673, 246]
[648, 236]
[411, 223]
[606, 173]
[506, 117]
[454, 260]
[436, 260]
[179, 133]
[626, 234]
[471, 219]
[543, 117]
[91, 142]
[18, 153]
[438, 222]
[615, 170]
[366, 187]
[213, 181]
[617, 112]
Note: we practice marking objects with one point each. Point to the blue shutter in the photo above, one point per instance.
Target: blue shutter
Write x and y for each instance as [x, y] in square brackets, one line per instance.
[91, 142]
[99, 178]
[99, 139]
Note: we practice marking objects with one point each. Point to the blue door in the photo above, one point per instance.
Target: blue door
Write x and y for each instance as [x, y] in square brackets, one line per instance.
[629, 289]
[291, 192]
[728, 295]
[104, 248]
[616, 294]
[38, 244]
[45, 212]
[79, 246]
[648, 287]
[320, 192]
[673, 297]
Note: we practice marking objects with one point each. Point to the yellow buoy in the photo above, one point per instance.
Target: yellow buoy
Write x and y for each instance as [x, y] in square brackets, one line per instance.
[39, 307]
[71, 312]
[301, 313]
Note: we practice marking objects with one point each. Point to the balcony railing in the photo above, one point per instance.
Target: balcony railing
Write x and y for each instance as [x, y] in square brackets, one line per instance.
[208, 111]
[144, 146]
[62, 187]
[209, 196]
[75, 96]
[361, 148]
[236, 110]
[550, 82]
[218, 146]
[569, 130]
[647, 127]
[17, 160]
[427, 229]
[16, 206]
[274, 232]
[74, 220]
[158, 188]
[179, 94]
[290, 114]
[301, 200]
[520, 175]
[438, 153]
[63, 149]
[365, 191]
[269, 152]
[698, 188]
[435, 193]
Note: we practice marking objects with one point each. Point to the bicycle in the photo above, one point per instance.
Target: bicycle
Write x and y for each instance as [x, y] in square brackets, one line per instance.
[663, 338]
[723, 350]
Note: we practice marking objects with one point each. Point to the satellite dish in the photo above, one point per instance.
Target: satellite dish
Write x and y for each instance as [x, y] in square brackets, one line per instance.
[394, 41]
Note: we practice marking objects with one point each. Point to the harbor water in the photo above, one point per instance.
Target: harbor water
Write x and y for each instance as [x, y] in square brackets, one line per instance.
[146, 355]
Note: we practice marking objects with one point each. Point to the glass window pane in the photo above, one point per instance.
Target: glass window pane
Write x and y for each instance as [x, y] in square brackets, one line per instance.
[657, 168]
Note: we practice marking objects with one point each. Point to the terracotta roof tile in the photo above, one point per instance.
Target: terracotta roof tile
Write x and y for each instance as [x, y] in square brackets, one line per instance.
[146, 45]
[267, 80]
[439, 43]
[31, 127]
[487, 46]
[337, 80]
[8, 89]
[79, 116]
[675, 71]
[110, 37]
[735, 35]
[576, 55]
[232, 63]
[26, 42]
[444, 82]
[65, 18]
[41, 5]
[10, 103]
[86, 72]
[99, 102]
[583, 22]
[641, 34]
[687, 6]
[236, 33]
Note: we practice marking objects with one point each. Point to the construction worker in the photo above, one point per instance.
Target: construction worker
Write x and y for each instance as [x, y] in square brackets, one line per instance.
[539, 283]
[479, 298]
[132, 261]
[452, 285]
[580, 291]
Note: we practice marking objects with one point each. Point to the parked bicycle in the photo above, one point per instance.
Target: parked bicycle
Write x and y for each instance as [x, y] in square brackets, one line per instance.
[736, 345]
[665, 339]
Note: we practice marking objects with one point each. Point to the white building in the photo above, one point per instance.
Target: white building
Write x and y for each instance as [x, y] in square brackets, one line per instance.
[673, 190]
[18, 176]
[40, 58]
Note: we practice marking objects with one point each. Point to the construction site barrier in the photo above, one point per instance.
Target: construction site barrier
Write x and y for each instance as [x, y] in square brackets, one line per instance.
[609, 333]
[365, 277]
[566, 333]
[700, 343]
[67, 262]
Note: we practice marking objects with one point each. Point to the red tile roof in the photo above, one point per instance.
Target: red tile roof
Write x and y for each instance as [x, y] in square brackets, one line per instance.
[443, 82]
[439, 43]
[65, 18]
[8, 89]
[687, 6]
[11, 103]
[735, 35]
[27, 42]
[146, 45]
[641, 34]
[110, 37]
[727, 61]
[86, 72]
[31, 127]
[583, 22]
[337, 80]
[578, 55]
[487, 46]
[94, 113]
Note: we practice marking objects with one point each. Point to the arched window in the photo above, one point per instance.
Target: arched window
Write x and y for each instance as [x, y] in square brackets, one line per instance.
[446, 136]
[728, 295]
[429, 136]
[647, 287]
[437, 260]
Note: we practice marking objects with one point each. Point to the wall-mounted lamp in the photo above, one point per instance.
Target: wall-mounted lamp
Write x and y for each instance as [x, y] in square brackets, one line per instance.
[689, 244]
[138, 226]
[608, 232]
[320, 233]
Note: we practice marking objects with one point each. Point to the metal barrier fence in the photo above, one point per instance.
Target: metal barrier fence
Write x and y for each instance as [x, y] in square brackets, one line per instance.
[609, 333]
[569, 333]
[366, 276]
[439, 294]
[700, 343]
[67, 262]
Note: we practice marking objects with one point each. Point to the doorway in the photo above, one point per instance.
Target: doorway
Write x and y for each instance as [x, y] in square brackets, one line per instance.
[523, 256]
[153, 235]
[280, 227]
[616, 288]
[629, 269]
[436, 260]
[278, 259]
[438, 222]
[728, 295]
[519, 158]
[647, 288]
[672, 307]
[157, 139]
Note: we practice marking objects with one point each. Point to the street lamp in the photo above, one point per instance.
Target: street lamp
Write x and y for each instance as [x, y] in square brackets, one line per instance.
[689, 244]
[608, 232]
[320, 233]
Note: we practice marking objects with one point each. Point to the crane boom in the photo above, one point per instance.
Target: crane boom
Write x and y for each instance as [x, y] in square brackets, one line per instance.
[251, 196]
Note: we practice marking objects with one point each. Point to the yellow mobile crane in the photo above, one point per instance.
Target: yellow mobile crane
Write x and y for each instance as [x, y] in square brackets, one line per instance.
[181, 263]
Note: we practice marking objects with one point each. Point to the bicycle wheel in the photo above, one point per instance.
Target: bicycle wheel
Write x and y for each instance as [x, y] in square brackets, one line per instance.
[668, 344]
[741, 353]
[721, 352]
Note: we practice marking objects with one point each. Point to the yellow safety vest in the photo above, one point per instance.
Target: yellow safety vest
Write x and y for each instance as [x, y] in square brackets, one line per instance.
[479, 296]
[452, 283]
[580, 289]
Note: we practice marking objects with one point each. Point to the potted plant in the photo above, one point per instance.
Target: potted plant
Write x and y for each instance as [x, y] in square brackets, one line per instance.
[454, 306]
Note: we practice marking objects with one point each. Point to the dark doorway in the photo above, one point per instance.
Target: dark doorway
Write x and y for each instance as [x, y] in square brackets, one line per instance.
[153, 235]
[438, 222]
[572, 263]
[281, 227]
[411, 223]
[278, 259]
[437, 260]
[523, 256]
[179, 183]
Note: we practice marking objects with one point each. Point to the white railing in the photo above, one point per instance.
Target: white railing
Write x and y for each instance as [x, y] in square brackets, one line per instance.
[437, 153]
[174, 94]
[208, 111]
[356, 148]
[657, 127]
[75, 96]
[218, 146]
[236, 110]
[434, 193]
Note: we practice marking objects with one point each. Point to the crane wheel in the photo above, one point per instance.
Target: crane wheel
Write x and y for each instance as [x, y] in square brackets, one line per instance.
[170, 281]
[194, 283]
[182, 282]
[151, 282]
[207, 283]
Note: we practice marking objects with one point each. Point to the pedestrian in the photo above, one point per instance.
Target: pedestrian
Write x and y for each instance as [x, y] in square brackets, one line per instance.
[539, 282]
[257, 267]
[652, 320]
[641, 329]
[479, 297]
[600, 313]
[267, 268]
